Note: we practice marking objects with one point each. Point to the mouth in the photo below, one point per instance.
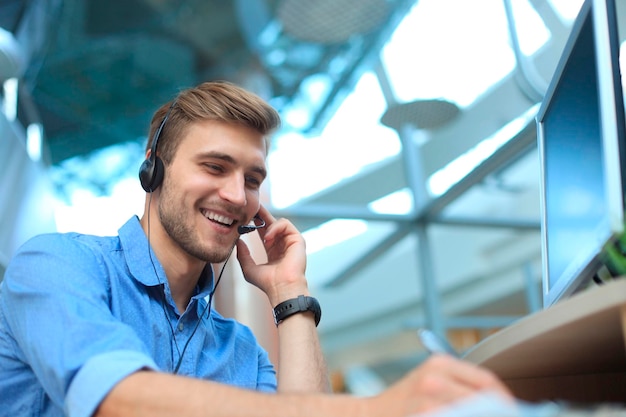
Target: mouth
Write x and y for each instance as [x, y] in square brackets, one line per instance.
[219, 219]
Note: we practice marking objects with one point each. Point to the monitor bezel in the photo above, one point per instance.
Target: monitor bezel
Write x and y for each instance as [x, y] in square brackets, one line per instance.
[611, 112]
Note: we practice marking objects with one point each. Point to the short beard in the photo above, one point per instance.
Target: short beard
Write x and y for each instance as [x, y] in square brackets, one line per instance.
[183, 234]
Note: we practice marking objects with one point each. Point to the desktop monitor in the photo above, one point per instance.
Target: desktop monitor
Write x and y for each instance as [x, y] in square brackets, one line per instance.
[581, 141]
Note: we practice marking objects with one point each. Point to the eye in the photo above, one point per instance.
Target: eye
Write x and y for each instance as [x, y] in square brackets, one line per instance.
[253, 182]
[213, 167]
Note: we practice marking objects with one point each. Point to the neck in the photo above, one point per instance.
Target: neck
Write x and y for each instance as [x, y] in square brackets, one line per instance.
[182, 271]
[182, 279]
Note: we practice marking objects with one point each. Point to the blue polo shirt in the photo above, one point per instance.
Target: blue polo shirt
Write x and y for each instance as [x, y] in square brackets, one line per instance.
[78, 313]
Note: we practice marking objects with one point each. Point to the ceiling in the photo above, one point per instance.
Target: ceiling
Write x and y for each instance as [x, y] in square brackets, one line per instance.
[99, 68]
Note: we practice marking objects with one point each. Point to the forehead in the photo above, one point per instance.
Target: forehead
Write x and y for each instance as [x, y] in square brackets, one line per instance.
[201, 136]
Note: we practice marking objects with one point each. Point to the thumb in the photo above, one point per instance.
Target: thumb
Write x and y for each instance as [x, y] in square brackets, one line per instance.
[244, 256]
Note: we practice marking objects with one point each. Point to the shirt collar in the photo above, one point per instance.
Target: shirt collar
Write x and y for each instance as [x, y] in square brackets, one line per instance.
[143, 263]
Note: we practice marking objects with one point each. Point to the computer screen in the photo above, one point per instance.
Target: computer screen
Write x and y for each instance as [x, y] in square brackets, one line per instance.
[580, 129]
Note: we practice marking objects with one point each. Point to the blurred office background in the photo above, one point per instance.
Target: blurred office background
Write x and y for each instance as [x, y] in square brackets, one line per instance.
[407, 155]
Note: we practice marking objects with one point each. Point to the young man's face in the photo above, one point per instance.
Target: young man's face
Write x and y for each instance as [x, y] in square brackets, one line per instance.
[212, 186]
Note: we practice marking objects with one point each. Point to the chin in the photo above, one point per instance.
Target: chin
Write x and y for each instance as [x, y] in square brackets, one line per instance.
[218, 254]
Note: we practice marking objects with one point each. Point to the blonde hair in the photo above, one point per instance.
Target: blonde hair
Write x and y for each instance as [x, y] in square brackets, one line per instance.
[216, 100]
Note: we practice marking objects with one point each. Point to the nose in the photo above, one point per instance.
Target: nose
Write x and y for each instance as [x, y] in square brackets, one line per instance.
[233, 189]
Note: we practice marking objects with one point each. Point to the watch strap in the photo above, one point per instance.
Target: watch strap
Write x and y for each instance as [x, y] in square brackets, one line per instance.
[300, 304]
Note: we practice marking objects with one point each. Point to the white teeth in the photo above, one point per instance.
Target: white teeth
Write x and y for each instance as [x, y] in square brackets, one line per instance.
[218, 218]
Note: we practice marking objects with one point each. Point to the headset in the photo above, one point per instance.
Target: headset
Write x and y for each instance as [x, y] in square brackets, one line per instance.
[251, 227]
[152, 169]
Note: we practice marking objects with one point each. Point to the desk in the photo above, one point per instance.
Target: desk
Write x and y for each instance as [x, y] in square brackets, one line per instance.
[573, 350]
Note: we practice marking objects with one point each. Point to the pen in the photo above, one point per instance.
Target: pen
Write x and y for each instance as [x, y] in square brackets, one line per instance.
[434, 343]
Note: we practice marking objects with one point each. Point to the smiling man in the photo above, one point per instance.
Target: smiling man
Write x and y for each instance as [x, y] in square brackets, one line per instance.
[123, 325]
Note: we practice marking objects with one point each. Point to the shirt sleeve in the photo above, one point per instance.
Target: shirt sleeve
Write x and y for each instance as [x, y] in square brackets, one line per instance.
[267, 374]
[98, 376]
[57, 303]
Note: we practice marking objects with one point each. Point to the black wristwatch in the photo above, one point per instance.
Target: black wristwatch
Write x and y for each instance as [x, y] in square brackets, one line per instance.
[297, 305]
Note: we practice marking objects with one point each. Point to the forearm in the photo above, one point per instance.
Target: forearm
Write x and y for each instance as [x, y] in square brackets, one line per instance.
[159, 395]
[301, 364]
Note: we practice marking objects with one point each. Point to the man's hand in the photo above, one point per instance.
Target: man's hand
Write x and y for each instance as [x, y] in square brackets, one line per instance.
[283, 276]
[301, 365]
[440, 381]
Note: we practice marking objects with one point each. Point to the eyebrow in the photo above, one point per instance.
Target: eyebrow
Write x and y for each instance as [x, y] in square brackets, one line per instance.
[227, 158]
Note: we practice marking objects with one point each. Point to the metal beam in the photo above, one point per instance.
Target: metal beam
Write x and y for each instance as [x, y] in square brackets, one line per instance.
[523, 142]
[431, 294]
[484, 222]
[369, 256]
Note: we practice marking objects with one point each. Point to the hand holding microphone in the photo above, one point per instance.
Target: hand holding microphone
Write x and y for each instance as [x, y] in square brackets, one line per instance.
[282, 274]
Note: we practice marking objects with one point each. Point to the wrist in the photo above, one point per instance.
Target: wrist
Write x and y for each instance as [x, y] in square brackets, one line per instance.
[298, 305]
[284, 292]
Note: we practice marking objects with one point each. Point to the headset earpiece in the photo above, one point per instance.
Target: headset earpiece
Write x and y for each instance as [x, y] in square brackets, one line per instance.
[151, 173]
[152, 168]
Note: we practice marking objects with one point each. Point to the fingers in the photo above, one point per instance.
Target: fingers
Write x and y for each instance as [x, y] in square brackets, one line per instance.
[465, 375]
[439, 382]
[275, 228]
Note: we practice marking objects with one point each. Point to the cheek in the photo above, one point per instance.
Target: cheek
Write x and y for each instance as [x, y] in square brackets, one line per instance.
[253, 201]
[197, 182]
[184, 190]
